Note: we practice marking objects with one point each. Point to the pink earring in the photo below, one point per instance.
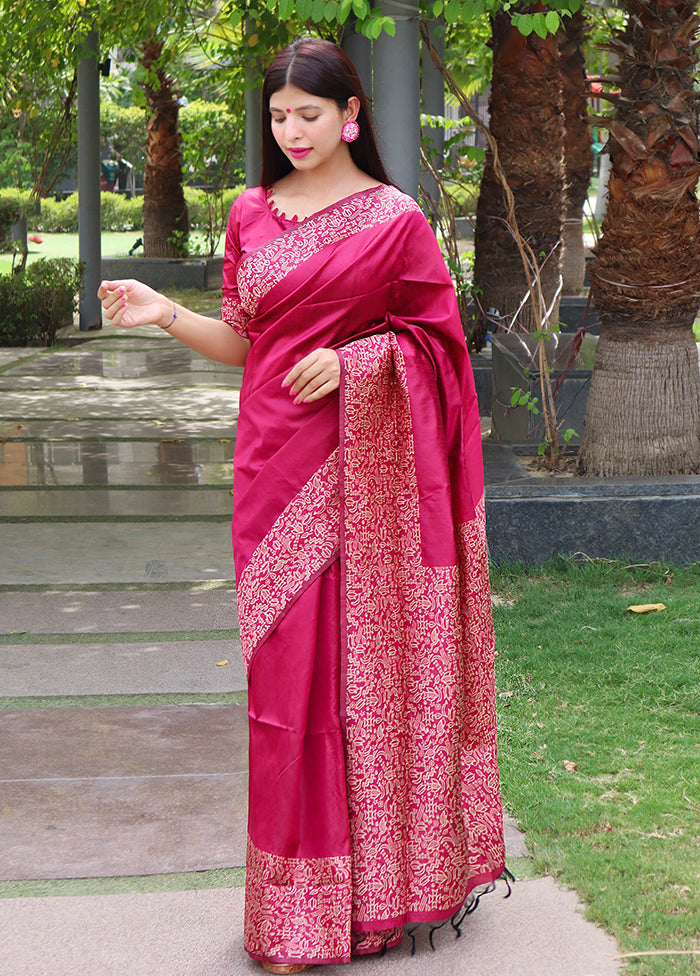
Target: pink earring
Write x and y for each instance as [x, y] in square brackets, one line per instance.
[350, 132]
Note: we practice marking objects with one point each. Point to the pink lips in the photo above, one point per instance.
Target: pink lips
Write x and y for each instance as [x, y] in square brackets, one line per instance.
[299, 153]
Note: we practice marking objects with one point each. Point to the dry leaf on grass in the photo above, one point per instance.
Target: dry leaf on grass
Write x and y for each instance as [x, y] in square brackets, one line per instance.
[647, 607]
[570, 766]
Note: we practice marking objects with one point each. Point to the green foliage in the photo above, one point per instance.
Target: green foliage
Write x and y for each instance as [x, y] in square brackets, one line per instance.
[118, 213]
[13, 204]
[39, 302]
[122, 214]
[124, 130]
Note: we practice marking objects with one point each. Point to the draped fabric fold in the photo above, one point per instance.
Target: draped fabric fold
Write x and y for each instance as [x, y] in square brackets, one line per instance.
[362, 581]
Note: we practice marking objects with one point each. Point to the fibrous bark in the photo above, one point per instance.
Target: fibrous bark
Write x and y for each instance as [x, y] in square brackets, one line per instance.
[577, 149]
[528, 125]
[165, 218]
[643, 414]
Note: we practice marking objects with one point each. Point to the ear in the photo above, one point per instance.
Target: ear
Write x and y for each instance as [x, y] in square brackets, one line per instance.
[353, 109]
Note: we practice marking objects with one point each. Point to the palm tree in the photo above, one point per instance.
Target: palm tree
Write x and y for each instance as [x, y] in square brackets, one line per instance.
[577, 148]
[643, 415]
[165, 218]
[527, 123]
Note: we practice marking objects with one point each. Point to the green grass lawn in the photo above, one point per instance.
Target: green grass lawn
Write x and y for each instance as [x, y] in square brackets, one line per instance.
[599, 738]
[66, 246]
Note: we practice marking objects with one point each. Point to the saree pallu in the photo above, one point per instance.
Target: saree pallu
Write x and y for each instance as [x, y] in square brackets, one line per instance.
[362, 583]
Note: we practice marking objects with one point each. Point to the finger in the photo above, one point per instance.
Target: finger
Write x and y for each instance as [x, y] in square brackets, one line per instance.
[298, 368]
[319, 393]
[325, 378]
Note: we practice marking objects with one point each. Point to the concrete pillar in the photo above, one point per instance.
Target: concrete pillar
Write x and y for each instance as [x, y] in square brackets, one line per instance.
[359, 49]
[89, 229]
[433, 103]
[396, 75]
[253, 137]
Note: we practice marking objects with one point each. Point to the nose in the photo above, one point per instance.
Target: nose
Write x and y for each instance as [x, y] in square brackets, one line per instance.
[292, 128]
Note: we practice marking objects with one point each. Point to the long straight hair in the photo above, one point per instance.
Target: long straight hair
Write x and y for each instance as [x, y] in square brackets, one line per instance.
[323, 69]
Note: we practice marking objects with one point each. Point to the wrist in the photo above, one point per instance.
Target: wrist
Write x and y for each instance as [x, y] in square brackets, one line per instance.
[168, 316]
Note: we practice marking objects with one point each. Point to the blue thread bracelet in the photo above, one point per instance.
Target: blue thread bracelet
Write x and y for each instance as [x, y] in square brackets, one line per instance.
[172, 320]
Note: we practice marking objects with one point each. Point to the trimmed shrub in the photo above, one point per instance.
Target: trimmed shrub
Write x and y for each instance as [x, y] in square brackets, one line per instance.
[39, 302]
[13, 205]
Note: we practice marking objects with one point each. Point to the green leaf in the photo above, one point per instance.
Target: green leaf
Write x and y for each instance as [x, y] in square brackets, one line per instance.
[568, 434]
[317, 11]
[453, 9]
[330, 12]
[524, 23]
[515, 397]
[542, 448]
[286, 8]
[551, 19]
[437, 8]
[304, 9]
[540, 25]
[361, 8]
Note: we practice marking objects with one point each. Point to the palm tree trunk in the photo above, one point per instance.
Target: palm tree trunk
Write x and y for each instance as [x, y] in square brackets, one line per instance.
[578, 158]
[643, 415]
[165, 218]
[527, 123]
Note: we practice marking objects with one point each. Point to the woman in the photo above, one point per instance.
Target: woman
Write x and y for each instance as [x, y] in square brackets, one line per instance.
[358, 537]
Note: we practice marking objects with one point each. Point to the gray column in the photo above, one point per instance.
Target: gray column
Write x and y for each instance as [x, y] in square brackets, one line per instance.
[433, 103]
[359, 49]
[90, 244]
[396, 74]
[253, 137]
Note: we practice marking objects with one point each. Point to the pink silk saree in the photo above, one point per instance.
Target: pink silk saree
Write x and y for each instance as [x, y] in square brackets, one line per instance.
[362, 583]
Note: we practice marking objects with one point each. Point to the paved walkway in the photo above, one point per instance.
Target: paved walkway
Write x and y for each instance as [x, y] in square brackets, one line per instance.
[123, 720]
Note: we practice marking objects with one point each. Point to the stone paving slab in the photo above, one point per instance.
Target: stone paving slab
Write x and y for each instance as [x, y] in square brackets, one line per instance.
[100, 384]
[114, 552]
[212, 404]
[122, 741]
[538, 931]
[128, 668]
[17, 353]
[103, 611]
[102, 827]
[182, 429]
[111, 360]
[104, 503]
[122, 790]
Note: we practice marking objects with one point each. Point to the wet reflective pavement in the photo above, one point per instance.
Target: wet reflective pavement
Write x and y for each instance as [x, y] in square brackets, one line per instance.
[115, 478]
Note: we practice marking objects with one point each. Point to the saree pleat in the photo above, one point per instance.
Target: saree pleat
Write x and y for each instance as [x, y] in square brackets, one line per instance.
[362, 582]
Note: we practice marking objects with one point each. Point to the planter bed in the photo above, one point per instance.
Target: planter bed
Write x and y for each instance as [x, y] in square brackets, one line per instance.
[202, 273]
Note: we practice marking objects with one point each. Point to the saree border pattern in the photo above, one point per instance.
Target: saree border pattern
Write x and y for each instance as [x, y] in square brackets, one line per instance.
[260, 271]
[301, 543]
[282, 890]
[412, 835]
[235, 315]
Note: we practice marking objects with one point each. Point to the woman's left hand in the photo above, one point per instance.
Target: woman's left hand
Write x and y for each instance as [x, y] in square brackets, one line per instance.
[314, 376]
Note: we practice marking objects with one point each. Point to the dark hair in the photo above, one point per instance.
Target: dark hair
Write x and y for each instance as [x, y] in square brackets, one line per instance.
[323, 69]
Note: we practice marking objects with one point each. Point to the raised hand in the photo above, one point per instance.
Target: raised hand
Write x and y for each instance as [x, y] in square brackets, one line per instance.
[128, 303]
[314, 376]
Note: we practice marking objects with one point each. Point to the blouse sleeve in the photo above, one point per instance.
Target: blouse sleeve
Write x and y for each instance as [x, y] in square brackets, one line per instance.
[232, 312]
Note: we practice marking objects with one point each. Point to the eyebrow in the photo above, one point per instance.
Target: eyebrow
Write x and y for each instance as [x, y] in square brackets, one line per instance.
[301, 108]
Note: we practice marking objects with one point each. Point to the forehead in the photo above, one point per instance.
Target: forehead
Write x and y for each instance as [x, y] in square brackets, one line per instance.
[291, 97]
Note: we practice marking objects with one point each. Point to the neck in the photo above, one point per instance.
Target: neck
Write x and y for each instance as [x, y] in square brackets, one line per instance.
[326, 180]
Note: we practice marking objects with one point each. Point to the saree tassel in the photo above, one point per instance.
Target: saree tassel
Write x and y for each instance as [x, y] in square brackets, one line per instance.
[509, 879]
[412, 933]
[433, 930]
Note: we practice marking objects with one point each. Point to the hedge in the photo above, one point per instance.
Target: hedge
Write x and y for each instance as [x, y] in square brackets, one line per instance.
[119, 213]
[39, 301]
